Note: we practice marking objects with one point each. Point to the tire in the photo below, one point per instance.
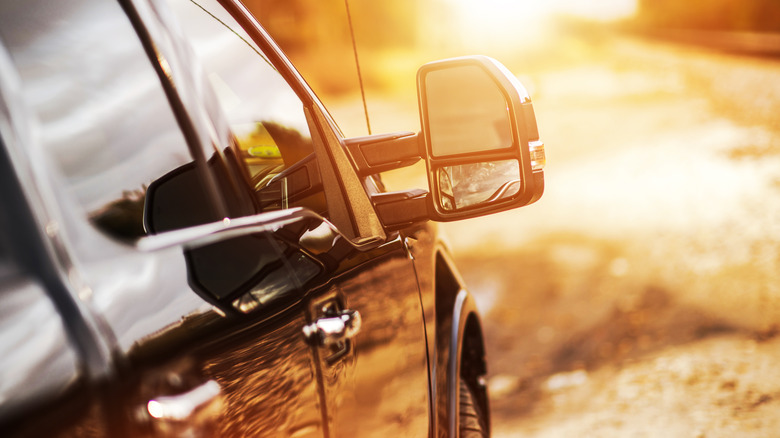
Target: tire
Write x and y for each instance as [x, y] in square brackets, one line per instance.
[471, 422]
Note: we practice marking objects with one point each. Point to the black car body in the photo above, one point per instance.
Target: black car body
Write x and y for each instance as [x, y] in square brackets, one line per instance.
[189, 246]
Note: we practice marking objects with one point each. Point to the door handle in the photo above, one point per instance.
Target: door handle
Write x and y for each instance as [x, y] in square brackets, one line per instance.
[334, 330]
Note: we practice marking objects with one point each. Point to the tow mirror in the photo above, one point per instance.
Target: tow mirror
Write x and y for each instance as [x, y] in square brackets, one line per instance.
[481, 143]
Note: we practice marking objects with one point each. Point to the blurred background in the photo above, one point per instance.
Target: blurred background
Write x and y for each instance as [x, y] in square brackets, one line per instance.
[640, 296]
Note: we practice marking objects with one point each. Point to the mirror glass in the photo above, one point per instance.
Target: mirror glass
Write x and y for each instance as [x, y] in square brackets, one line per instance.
[467, 112]
[468, 185]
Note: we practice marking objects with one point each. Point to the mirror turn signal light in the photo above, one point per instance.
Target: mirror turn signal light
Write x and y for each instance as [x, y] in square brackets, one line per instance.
[538, 159]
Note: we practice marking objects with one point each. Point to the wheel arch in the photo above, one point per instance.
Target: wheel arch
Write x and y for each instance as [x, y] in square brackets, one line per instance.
[460, 347]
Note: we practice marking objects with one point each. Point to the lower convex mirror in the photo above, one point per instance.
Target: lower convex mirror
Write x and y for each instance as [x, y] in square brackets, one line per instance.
[466, 185]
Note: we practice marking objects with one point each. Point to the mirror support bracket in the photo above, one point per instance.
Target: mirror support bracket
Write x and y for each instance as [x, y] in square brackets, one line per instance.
[398, 210]
[383, 152]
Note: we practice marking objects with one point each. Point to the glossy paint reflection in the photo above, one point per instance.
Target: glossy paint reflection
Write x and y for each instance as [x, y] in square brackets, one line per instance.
[269, 384]
[179, 342]
[38, 365]
[262, 365]
[381, 388]
[26, 345]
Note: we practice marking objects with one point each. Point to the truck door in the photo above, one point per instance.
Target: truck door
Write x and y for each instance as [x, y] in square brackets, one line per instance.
[376, 382]
[109, 116]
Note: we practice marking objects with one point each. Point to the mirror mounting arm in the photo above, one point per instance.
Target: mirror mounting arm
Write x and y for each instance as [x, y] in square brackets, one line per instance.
[383, 152]
[398, 210]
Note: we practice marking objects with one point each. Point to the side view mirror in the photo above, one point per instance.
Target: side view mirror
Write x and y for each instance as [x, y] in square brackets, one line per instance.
[245, 265]
[481, 143]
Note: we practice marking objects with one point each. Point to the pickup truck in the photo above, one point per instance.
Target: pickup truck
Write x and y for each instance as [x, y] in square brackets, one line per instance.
[190, 247]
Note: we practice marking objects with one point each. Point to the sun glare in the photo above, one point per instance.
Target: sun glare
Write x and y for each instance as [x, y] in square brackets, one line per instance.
[498, 22]
[529, 10]
[602, 10]
[525, 21]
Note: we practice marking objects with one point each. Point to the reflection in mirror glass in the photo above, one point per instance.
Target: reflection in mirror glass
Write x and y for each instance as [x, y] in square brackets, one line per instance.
[276, 274]
[223, 267]
[467, 112]
[279, 284]
[468, 185]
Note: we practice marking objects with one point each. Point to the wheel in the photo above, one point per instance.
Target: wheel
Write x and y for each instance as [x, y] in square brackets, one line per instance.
[471, 422]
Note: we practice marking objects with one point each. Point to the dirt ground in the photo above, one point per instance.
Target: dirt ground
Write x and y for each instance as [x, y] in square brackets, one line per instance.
[641, 295]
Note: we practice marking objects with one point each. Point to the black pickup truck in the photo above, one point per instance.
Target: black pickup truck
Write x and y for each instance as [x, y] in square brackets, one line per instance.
[190, 247]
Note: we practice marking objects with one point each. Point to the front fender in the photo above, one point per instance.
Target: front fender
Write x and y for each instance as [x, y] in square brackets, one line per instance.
[457, 324]
[452, 321]
[464, 307]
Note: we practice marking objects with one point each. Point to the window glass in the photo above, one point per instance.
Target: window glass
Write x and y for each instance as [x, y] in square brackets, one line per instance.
[263, 111]
[105, 124]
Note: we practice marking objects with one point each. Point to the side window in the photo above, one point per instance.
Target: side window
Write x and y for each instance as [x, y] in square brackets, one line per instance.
[264, 113]
[106, 127]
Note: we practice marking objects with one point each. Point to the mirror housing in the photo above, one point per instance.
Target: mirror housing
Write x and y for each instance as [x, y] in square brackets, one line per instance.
[252, 264]
[256, 265]
[479, 139]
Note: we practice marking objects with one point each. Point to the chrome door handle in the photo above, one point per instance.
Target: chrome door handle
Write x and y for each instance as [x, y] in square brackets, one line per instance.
[334, 330]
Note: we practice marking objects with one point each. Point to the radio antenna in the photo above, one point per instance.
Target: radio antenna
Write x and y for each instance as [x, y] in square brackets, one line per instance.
[357, 64]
